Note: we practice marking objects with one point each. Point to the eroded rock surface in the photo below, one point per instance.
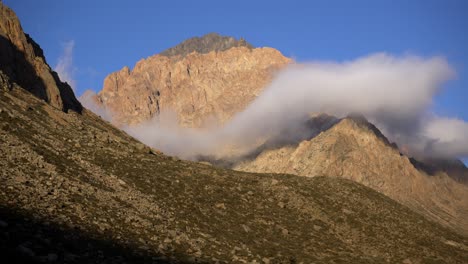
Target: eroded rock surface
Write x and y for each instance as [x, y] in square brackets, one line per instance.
[200, 88]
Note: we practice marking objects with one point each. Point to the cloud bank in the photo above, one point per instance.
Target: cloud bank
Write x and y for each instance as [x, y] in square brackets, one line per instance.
[446, 137]
[394, 93]
[64, 66]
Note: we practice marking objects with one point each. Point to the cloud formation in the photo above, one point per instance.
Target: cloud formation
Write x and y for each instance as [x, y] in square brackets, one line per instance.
[394, 93]
[64, 66]
[446, 137]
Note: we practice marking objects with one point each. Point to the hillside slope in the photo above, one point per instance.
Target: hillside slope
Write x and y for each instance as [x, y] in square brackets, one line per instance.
[355, 149]
[76, 172]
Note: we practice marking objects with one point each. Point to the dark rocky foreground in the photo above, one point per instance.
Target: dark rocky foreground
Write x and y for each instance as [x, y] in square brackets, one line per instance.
[77, 190]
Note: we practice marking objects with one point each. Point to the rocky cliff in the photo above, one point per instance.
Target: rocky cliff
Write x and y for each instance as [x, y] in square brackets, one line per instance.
[22, 60]
[208, 82]
[355, 149]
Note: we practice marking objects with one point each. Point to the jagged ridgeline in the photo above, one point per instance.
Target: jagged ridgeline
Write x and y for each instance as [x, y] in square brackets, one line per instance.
[23, 61]
[207, 43]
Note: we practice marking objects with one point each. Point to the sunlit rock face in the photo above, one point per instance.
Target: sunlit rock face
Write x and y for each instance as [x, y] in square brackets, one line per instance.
[206, 80]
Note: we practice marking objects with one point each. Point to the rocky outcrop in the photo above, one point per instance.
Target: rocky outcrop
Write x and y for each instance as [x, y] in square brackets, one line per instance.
[198, 87]
[355, 149]
[22, 60]
[205, 44]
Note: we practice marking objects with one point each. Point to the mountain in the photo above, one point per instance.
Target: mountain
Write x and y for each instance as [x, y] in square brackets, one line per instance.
[355, 149]
[75, 189]
[23, 61]
[202, 80]
[205, 85]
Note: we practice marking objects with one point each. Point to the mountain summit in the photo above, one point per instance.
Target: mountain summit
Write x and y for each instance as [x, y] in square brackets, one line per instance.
[205, 44]
[215, 78]
[355, 149]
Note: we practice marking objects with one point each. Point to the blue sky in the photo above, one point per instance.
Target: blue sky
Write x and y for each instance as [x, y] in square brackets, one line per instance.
[108, 35]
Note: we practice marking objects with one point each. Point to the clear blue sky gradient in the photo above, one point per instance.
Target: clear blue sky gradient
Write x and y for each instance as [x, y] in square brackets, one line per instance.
[111, 34]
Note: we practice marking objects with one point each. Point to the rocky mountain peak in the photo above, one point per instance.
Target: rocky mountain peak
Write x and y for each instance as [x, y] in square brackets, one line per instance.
[362, 122]
[22, 60]
[453, 167]
[205, 44]
[197, 87]
[355, 149]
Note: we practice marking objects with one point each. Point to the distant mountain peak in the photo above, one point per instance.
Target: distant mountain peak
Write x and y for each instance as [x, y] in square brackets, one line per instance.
[361, 121]
[205, 44]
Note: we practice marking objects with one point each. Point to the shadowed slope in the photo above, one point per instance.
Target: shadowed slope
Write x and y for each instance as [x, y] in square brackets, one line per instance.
[23, 61]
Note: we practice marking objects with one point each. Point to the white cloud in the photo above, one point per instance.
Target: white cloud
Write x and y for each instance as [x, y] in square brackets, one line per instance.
[64, 67]
[447, 137]
[395, 93]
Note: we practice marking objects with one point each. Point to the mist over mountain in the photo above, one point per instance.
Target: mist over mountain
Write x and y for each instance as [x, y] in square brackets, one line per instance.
[78, 189]
[304, 102]
[395, 93]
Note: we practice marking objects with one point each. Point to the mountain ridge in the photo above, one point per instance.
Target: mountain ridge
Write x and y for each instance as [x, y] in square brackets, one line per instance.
[24, 62]
[205, 44]
[355, 149]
